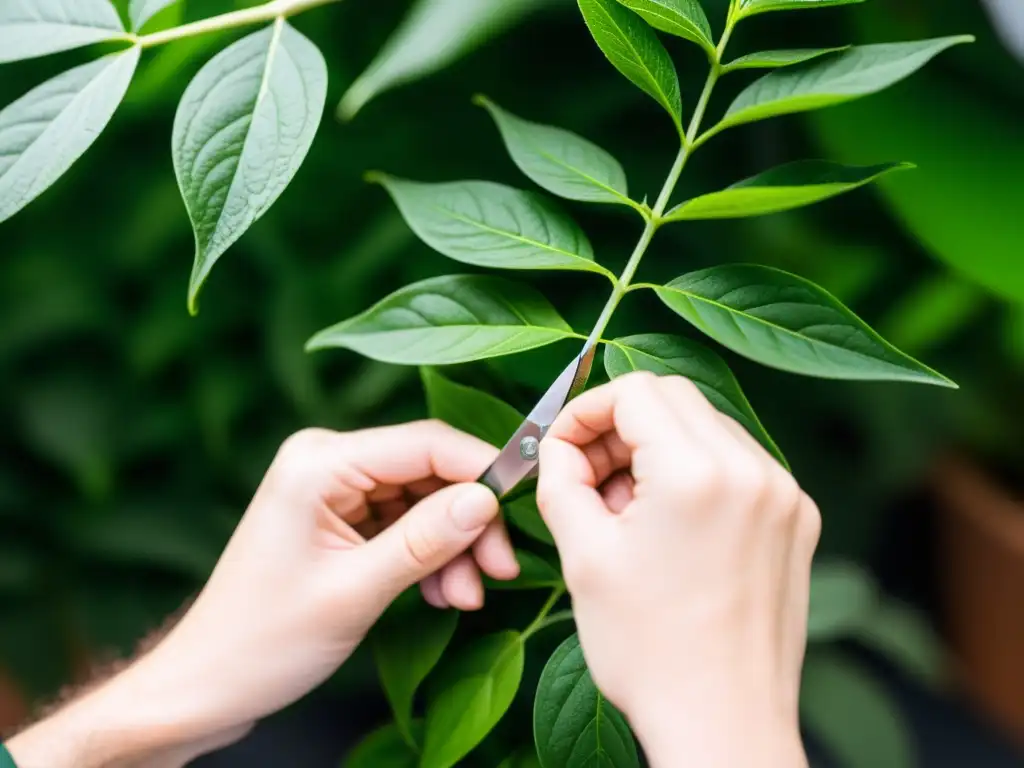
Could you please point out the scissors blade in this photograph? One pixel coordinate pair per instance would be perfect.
(512, 467)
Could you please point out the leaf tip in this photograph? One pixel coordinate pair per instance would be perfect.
(375, 177)
(482, 101)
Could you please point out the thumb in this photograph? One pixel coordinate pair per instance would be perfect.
(430, 535)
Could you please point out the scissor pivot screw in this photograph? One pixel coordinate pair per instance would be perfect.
(529, 448)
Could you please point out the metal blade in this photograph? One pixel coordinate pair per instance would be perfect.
(512, 467)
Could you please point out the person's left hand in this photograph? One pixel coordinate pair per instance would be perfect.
(341, 525)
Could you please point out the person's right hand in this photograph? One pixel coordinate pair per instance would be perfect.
(687, 552)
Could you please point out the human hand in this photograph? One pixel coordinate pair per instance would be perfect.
(340, 526)
(687, 551)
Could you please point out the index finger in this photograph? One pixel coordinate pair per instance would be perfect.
(406, 453)
(633, 406)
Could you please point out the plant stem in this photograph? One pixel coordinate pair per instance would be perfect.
(275, 9)
(654, 219)
(543, 620)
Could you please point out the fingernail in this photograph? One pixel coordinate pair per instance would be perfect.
(474, 508)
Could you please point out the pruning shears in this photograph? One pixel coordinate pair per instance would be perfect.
(519, 458)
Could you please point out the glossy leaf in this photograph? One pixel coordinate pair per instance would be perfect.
(860, 71)
(534, 573)
(450, 319)
(843, 596)
(491, 225)
(666, 355)
(751, 7)
(384, 748)
(404, 658)
(852, 715)
(31, 28)
(524, 515)
(44, 132)
(778, 59)
(472, 696)
(242, 130)
(141, 11)
(469, 410)
(574, 726)
(782, 189)
(683, 18)
(435, 34)
(633, 48)
(561, 162)
(783, 321)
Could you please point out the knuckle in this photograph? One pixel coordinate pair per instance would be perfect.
(810, 521)
(300, 446)
(419, 545)
(749, 481)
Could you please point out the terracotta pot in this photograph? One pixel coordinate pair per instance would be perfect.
(13, 706)
(981, 574)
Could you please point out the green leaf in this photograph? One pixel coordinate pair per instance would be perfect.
(843, 596)
(524, 515)
(852, 714)
(781, 189)
(472, 696)
(667, 355)
(470, 410)
(491, 225)
(962, 205)
(683, 18)
(903, 634)
(534, 573)
(633, 48)
(242, 130)
(385, 748)
(778, 59)
(450, 319)
(31, 28)
(860, 71)
(404, 657)
(141, 11)
(559, 161)
(785, 322)
(573, 724)
(435, 34)
(44, 132)
(750, 7)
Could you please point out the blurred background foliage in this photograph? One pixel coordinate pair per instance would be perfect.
(133, 435)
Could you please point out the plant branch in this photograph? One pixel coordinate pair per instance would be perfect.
(275, 9)
(543, 620)
(654, 220)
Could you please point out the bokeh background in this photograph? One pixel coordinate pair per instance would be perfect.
(132, 435)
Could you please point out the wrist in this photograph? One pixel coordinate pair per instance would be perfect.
(701, 725)
(123, 722)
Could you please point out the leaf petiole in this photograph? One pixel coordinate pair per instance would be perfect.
(543, 620)
(275, 9)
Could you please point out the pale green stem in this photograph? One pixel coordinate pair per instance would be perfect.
(543, 620)
(654, 220)
(275, 9)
